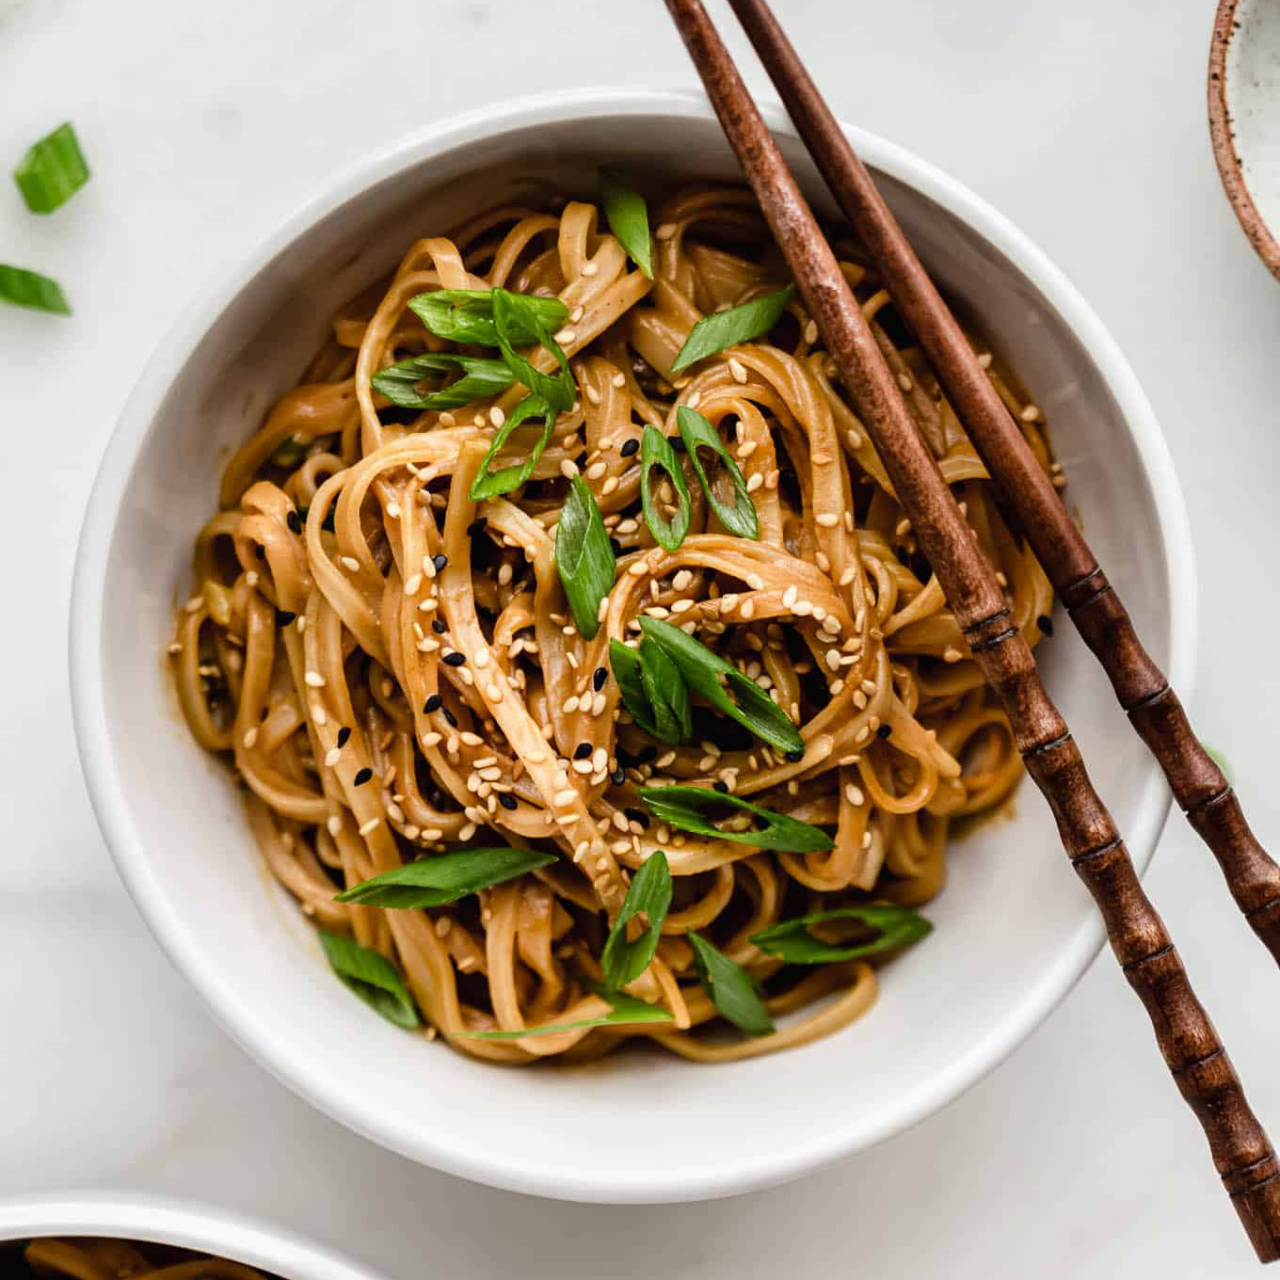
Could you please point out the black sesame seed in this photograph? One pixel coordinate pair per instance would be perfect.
(598, 680)
(294, 523)
(284, 617)
(433, 703)
(677, 443)
(629, 447)
(618, 777)
(476, 527)
(582, 751)
(721, 787)
(455, 659)
(362, 776)
(260, 551)
(884, 730)
(439, 626)
(638, 815)
(616, 547)
(795, 756)
(344, 735)
(1045, 624)
(506, 801)
(441, 562)
(450, 718)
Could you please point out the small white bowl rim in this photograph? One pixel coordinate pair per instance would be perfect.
(134, 1215)
(542, 1176)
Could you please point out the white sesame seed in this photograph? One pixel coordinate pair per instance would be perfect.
(811, 333)
(609, 486)
(468, 830)
(590, 268)
(250, 738)
(905, 382)
(393, 510)
(593, 396)
(951, 655)
(565, 337)
(789, 596)
(314, 679)
(737, 369)
(334, 825)
(854, 438)
(176, 647)
(984, 360)
(563, 798)
(568, 468)
(496, 416)
(332, 757)
(828, 519)
(350, 562)
(854, 795)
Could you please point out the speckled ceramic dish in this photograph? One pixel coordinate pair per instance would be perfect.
(1244, 117)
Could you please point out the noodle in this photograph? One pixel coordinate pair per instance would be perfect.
(115, 1259)
(361, 747)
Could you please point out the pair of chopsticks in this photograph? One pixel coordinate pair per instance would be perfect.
(1241, 1151)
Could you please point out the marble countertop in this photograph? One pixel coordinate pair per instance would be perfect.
(206, 124)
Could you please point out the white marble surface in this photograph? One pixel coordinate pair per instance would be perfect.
(207, 123)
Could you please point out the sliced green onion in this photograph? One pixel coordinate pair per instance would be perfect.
(30, 289)
(894, 927)
(702, 669)
(656, 450)
(730, 987)
(628, 218)
(653, 690)
(727, 328)
(682, 807)
(650, 893)
(514, 315)
(626, 1011)
(697, 433)
(480, 378)
(584, 557)
(667, 694)
(52, 171)
(370, 975)
(466, 315)
(444, 878)
(489, 484)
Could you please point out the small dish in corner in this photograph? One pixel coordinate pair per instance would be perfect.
(1244, 117)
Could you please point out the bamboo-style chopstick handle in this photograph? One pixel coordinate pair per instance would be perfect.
(1241, 1152)
(1198, 785)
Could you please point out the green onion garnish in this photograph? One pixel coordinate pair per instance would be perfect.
(480, 378)
(489, 484)
(584, 557)
(702, 669)
(628, 219)
(370, 975)
(435, 881)
(731, 988)
(893, 926)
(697, 433)
(727, 328)
(650, 893)
(656, 451)
(51, 172)
(30, 289)
(515, 315)
(683, 807)
(466, 315)
(653, 690)
(626, 1010)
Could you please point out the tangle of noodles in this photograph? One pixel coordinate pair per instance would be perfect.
(104, 1259)
(839, 617)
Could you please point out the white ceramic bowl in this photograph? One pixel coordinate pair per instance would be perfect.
(189, 1226)
(1014, 928)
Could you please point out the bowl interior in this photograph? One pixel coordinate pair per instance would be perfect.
(129, 1216)
(1013, 928)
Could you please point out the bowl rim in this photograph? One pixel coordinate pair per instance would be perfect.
(538, 1176)
(1222, 136)
(188, 1224)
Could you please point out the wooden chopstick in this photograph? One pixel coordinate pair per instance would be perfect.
(1198, 785)
(1200, 1066)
